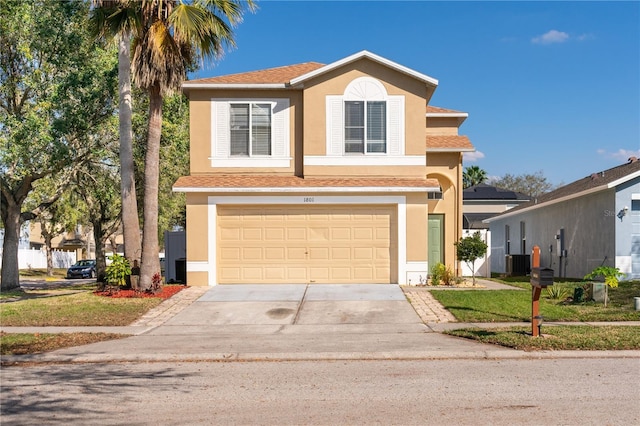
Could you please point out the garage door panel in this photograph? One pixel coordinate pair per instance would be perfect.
(297, 234)
(274, 253)
(365, 234)
(274, 234)
(363, 253)
(340, 253)
(318, 253)
(363, 274)
(252, 274)
(252, 234)
(318, 234)
(341, 234)
(341, 274)
(319, 274)
(275, 273)
(296, 253)
(251, 253)
(229, 273)
(301, 244)
(228, 234)
(230, 253)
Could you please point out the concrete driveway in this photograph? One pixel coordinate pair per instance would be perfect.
(298, 304)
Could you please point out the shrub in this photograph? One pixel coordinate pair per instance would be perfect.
(441, 274)
(118, 271)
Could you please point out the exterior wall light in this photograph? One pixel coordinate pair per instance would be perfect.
(622, 213)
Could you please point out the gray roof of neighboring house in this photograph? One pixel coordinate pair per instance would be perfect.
(594, 182)
(475, 220)
(488, 192)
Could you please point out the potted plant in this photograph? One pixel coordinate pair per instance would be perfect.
(611, 277)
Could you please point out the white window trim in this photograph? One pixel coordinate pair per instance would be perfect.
(272, 161)
(213, 201)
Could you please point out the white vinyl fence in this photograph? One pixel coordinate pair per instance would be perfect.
(34, 258)
(482, 265)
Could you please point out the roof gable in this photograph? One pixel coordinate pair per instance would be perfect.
(368, 55)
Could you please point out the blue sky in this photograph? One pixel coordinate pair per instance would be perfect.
(551, 86)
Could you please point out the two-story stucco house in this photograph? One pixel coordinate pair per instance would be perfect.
(313, 173)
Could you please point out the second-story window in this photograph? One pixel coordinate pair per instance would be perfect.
(365, 127)
(250, 129)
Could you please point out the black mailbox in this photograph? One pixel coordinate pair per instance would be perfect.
(541, 277)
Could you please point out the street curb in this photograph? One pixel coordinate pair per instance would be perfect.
(318, 356)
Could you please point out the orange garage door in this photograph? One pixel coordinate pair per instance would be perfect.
(306, 244)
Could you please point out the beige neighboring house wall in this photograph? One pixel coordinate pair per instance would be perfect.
(309, 212)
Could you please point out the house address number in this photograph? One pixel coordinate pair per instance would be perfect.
(308, 200)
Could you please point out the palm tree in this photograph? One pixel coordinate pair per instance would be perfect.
(130, 222)
(168, 36)
(473, 175)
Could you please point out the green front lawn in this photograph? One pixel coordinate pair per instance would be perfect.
(59, 308)
(515, 306)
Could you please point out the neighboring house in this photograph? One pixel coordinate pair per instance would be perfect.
(315, 173)
(591, 222)
(480, 202)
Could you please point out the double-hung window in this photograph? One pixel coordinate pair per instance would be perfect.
(365, 127)
(250, 125)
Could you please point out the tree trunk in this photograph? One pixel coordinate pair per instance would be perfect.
(10, 269)
(473, 273)
(101, 264)
(150, 264)
(47, 248)
(130, 222)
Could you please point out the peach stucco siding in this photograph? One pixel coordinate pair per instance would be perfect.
(308, 141)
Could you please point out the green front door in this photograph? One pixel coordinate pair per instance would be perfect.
(436, 239)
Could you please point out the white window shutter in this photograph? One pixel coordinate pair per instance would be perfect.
(280, 129)
(335, 125)
(395, 128)
(220, 128)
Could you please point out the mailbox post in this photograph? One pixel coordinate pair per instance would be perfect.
(540, 278)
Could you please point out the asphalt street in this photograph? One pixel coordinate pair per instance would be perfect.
(429, 392)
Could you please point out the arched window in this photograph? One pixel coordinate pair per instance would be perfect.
(365, 120)
(365, 117)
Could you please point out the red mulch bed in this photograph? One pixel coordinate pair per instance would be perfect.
(166, 292)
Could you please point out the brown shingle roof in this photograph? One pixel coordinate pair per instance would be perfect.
(279, 75)
(449, 142)
(261, 181)
(437, 110)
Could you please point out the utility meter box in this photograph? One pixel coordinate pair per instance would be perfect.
(541, 277)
